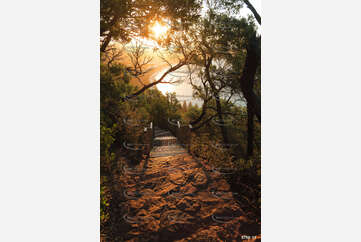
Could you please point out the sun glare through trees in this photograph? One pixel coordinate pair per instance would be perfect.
(180, 126)
(159, 30)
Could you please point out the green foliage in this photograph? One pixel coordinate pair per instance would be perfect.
(106, 141)
(125, 18)
(104, 203)
(208, 149)
(219, 37)
(123, 121)
(208, 137)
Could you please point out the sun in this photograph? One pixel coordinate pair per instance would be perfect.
(159, 30)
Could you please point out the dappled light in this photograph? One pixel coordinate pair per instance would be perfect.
(180, 122)
(159, 30)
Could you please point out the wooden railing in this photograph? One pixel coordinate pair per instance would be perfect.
(142, 148)
(183, 134)
(147, 139)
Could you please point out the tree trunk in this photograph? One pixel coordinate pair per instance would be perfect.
(247, 79)
(105, 42)
(253, 10)
(221, 120)
(250, 130)
(218, 101)
(200, 116)
(256, 102)
(247, 83)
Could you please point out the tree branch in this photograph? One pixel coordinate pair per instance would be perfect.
(176, 67)
(256, 15)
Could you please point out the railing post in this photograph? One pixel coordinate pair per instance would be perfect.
(145, 141)
(189, 138)
(152, 137)
(178, 132)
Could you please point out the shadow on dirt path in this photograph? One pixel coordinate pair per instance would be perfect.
(175, 197)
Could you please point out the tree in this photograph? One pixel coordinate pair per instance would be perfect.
(184, 106)
(235, 5)
(222, 39)
(125, 19)
(244, 64)
(189, 105)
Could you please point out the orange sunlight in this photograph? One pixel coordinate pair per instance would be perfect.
(159, 30)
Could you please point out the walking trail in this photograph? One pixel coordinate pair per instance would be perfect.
(175, 197)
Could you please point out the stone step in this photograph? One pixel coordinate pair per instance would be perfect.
(170, 150)
(165, 140)
(162, 133)
(165, 144)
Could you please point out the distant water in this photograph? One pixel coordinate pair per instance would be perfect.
(183, 89)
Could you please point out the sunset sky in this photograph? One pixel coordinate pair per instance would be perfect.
(183, 90)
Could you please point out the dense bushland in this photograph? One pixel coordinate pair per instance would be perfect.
(122, 125)
(242, 172)
(222, 53)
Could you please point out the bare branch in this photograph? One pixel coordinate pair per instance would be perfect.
(253, 10)
(145, 87)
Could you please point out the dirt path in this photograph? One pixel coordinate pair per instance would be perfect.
(175, 197)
